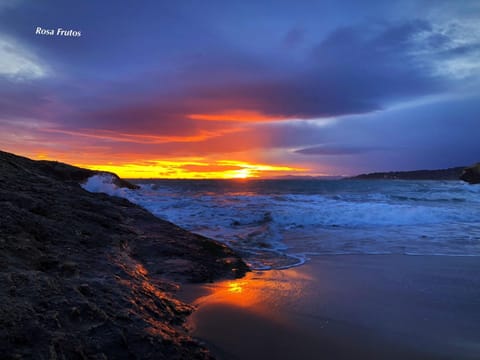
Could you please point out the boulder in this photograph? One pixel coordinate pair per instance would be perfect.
(471, 174)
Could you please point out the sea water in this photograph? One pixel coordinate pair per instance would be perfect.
(282, 223)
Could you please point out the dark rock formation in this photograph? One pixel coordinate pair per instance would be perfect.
(89, 276)
(442, 174)
(66, 172)
(60, 171)
(471, 174)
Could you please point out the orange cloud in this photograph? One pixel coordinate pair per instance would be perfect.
(235, 115)
(199, 151)
(143, 138)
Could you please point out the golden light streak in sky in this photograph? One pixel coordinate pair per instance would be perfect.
(194, 169)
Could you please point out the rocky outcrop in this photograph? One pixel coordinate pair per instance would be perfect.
(471, 174)
(59, 171)
(89, 276)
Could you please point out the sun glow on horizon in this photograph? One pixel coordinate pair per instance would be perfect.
(194, 169)
(242, 174)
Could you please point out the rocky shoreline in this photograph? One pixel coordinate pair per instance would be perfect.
(89, 276)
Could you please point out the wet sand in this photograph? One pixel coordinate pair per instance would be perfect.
(345, 307)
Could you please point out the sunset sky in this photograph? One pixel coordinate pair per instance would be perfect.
(218, 89)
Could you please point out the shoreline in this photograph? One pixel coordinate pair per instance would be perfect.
(91, 275)
(344, 307)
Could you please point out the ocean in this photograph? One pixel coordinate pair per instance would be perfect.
(276, 224)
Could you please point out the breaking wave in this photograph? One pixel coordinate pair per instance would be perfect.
(277, 224)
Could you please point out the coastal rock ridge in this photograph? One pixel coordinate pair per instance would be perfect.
(90, 276)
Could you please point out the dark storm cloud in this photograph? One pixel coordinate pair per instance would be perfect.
(353, 70)
(375, 65)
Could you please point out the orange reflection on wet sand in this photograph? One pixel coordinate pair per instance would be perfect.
(236, 286)
(259, 291)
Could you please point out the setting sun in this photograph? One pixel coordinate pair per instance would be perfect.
(242, 174)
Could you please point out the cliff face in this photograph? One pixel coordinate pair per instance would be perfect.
(471, 174)
(91, 276)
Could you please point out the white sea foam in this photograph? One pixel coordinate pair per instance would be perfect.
(103, 183)
(277, 224)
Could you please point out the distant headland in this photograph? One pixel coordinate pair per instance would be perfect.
(469, 174)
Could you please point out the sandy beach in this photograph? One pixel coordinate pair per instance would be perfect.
(345, 307)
